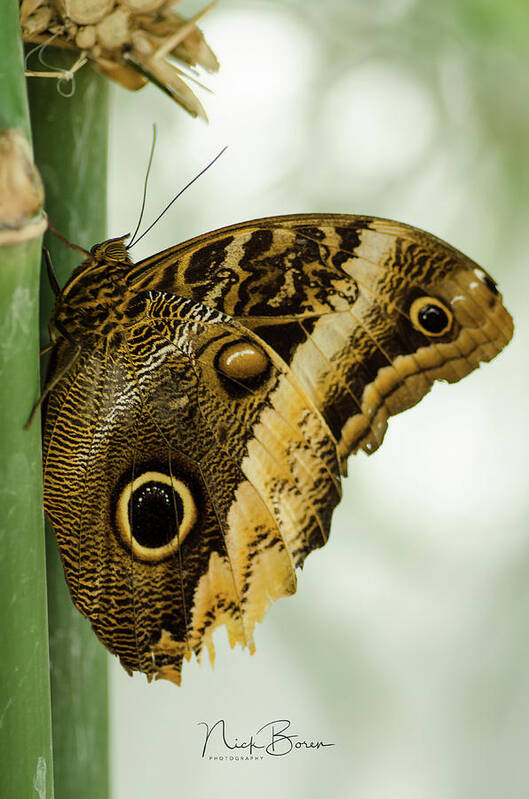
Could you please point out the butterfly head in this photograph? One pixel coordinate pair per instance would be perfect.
(92, 298)
(112, 251)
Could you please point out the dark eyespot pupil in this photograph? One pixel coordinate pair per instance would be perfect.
(433, 318)
(152, 514)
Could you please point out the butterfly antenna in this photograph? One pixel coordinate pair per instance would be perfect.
(145, 184)
(65, 240)
(179, 194)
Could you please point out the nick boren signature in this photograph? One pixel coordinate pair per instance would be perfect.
(271, 738)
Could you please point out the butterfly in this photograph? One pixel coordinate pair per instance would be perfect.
(201, 406)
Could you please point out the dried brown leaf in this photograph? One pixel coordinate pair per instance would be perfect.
(129, 41)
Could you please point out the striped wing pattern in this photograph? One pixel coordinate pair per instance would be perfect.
(184, 489)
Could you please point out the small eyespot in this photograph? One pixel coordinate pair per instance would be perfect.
(430, 316)
(242, 360)
(486, 279)
(154, 513)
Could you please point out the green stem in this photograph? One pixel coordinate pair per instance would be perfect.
(25, 728)
(70, 135)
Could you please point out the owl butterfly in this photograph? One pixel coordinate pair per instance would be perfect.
(202, 405)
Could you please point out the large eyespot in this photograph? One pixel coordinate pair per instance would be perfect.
(242, 360)
(430, 316)
(154, 513)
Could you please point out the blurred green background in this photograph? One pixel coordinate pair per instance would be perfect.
(407, 644)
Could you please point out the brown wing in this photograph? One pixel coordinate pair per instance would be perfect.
(366, 312)
(184, 488)
(193, 450)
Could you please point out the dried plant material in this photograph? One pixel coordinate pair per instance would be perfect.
(130, 41)
(64, 74)
(84, 12)
(21, 190)
(143, 6)
(27, 7)
(86, 37)
(113, 31)
(166, 76)
(195, 49)
(126, 76)
(39, 20)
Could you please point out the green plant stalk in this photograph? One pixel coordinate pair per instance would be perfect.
(25, 724)
(70, 135)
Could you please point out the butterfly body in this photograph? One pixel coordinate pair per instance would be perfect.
(206, 399)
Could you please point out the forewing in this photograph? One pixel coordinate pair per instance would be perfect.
(336, 297)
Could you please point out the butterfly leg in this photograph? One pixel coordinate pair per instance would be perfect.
(52, 277)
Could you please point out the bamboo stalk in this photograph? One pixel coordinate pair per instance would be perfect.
(70, 135)
(25, 727)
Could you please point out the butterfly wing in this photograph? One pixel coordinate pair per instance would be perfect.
(183, 494)
(366, 312)
(193, 456)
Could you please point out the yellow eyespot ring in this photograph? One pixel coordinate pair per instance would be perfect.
(430, 316)
(187, 506)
